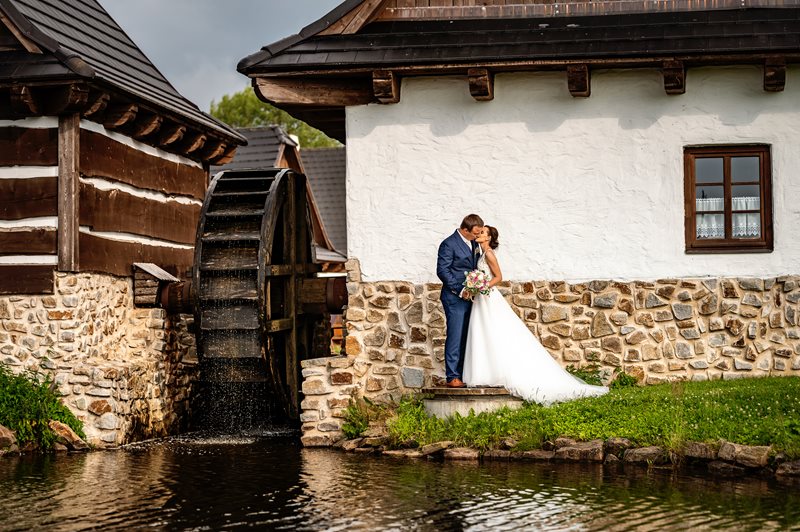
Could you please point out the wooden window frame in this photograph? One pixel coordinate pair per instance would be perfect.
(728, 245)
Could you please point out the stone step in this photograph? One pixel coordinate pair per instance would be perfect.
(443, 402)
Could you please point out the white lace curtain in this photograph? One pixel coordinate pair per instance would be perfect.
(745, 225)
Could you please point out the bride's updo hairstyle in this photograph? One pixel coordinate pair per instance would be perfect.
(493, 237)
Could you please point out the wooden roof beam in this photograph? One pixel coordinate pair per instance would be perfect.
(481, 84)
(24, 101)
(146, 125)
(356, 19)
(674, 73)
(386, 86)
(120, 114)
(96, 104)
(579, 80)
(774, 74)
(170, 134)
(325, 92)
(67, 99)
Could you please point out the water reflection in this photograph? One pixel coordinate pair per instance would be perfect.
(268, 481)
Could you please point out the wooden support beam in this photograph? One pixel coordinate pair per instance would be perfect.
(68, 99)
(96, 104)
(316, 91)
(213, 151)
(146, 125)
(226, 157)
(579, 80)
(192, 143)
(386, 86)
(481, 84)
(68, 191)
(774, 74)
(119, 115)
(674, 73)
(170, 134)
(24, 102)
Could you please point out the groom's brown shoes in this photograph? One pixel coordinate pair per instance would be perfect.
(456, 383)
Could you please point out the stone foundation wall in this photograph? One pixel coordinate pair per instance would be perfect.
(667, 330)
(126, 372)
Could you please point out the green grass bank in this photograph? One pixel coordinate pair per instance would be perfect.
(758, 411)
(28, 403)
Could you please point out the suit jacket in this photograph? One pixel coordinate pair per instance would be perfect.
(453, 261)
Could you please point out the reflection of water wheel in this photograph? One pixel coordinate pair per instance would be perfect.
(257, 302)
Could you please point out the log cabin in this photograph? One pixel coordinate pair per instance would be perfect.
(103, 165)
(637, 158)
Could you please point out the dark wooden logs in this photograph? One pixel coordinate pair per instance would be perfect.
(579, 80)
(68, 191)
(21, 146)
(28, 198)
(775, 74)
(386, 86)
(115, 256)
(674, 73)
(481, 84)
(30, 242)
(170, 134)
(27, 279)
(71, 98)
(306, 90)
(96, 104)
(24, 102)
(146, 125)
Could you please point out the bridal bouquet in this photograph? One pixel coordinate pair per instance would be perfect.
(476, 282)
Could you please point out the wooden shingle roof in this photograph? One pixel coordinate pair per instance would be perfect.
(79, 40)
(326, 169)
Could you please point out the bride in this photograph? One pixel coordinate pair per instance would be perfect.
(501, 351)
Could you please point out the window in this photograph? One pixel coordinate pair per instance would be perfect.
(728, 199)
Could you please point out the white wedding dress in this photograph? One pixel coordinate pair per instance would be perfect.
(501, 351)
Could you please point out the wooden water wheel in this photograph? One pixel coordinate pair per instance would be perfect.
(257, 301)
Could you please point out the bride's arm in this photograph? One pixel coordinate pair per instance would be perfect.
(494, 266)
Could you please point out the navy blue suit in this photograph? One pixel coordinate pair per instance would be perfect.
(454, 260)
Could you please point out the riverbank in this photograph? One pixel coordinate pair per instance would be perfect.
(730, 426)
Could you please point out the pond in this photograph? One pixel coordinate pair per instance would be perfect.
(266, 480)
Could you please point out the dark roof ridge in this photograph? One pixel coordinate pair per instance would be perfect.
(312, 29)
(72, 61)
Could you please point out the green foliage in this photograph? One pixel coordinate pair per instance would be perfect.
(590, 374)
(622, 380)
(760, 411)
(358, 415)
(27, 404)
(244, 109)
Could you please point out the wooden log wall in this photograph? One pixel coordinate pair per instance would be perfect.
(133, 203)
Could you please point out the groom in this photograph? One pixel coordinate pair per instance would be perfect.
(458, 254)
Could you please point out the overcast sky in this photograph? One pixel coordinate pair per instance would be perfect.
(196, 44)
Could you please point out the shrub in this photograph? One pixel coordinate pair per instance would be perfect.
(28, 402)
(358, 415)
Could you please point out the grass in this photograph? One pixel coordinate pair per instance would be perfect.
(757, 411)
(27, 404)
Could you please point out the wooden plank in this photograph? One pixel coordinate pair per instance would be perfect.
(96, 104)
(282, 324)
(356, 18)
(239, 287)
(171, 134)
(386, 86)
(116, 210)
(24, 101)
(28, 198)
(579, 81)
(229, 258)
(230, 318)
(68, 192)
(221, 344)
(31, 242)
(146, 125)
(674, 73)
(775, 74)
(316, 91)
(71, 98)
(291, 234)
(117, 115)
(481, 84)
(117, 257)
(107, 158)
(26, 279)
(21, 146)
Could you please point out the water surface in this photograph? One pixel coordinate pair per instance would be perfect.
(267, 481)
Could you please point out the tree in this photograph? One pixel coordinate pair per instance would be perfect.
(244, 109)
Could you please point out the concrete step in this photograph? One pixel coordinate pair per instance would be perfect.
(443, 402)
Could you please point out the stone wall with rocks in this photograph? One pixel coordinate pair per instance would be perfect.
(126, 372)
(661, 331)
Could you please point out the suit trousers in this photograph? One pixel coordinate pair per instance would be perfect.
(456, 312)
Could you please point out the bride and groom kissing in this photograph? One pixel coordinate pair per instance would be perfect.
(487, 344)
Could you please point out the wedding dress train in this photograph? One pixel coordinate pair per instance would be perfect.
(501, 351)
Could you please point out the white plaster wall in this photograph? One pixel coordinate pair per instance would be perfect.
(579, 188)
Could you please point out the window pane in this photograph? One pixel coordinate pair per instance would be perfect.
(708, 170)
(709, 199)
(747, 225)
(744, 169)
(710, 226)
(745, 198)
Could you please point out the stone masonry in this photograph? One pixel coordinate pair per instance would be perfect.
(660, 331)
(126, 372)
